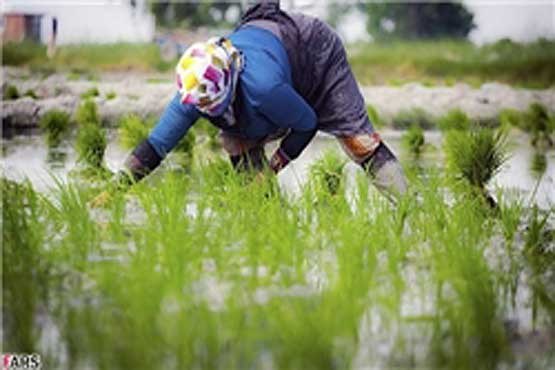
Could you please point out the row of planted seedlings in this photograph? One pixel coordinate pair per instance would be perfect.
(206, 268)
(536, 121)
(92, 136)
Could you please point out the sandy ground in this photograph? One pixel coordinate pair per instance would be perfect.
(148, 94)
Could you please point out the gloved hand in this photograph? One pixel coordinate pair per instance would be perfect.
(279, 160)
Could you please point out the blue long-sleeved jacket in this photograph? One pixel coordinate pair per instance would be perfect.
(267, 99)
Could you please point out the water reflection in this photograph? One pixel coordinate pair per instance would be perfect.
(56, 157)
(28, 156)
(538, 166)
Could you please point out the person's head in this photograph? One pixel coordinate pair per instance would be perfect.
(207, 75)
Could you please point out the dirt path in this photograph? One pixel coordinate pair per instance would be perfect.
(148, 95)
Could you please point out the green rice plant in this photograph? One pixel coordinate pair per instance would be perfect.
(374, 116)
(414, 116)
(90, 93)
(491, 122)
(185, 149)
(538, 165)
(10, 92)
(87, 113)
(211, 131)
(511, 118)
(24, 269)
(539, 124)
(441, 61)
(133, 130)
(326, 174)
(211, 271)
(31, 94)
(468, 329)
(541, 261)
(455, 119)
(475, 156)
(413, 140)
(91, 144)
(111, 95)
(510, 215)
(21, 53)
(56, 124)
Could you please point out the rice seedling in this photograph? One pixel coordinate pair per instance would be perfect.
(31, 94)
(90, 93)
(539, 124)
(24, 269)
(455, 119)
(374, 116)
(413, 140)
(511, 118)
(132, 130)
(111, 95)
(538, 166)
(475, 157)
(56, 124)
(326, 174)
(540, 258)
(415, 116)
(510, 216)
(87, 113)
(204, 127)
(10, 93)
(90, 145)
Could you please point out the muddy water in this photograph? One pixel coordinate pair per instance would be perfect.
(27, 156)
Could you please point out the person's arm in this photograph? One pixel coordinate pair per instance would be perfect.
(287, 109)
(170, 129)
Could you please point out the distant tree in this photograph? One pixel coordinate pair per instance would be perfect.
(193, 13)
(418, 20)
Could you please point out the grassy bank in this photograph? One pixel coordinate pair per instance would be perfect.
(86, 58)
(447, 62)
(438, 62)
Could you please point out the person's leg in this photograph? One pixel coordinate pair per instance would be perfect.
(245, 155)
(374, 156)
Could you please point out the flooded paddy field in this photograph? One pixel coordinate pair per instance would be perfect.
(198, 267)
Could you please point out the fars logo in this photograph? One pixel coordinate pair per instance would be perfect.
(21, 361)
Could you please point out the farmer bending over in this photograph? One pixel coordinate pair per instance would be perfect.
(277, 76)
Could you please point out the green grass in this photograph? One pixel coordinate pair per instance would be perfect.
(87, 57)
(529, 65)
(396, 62)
